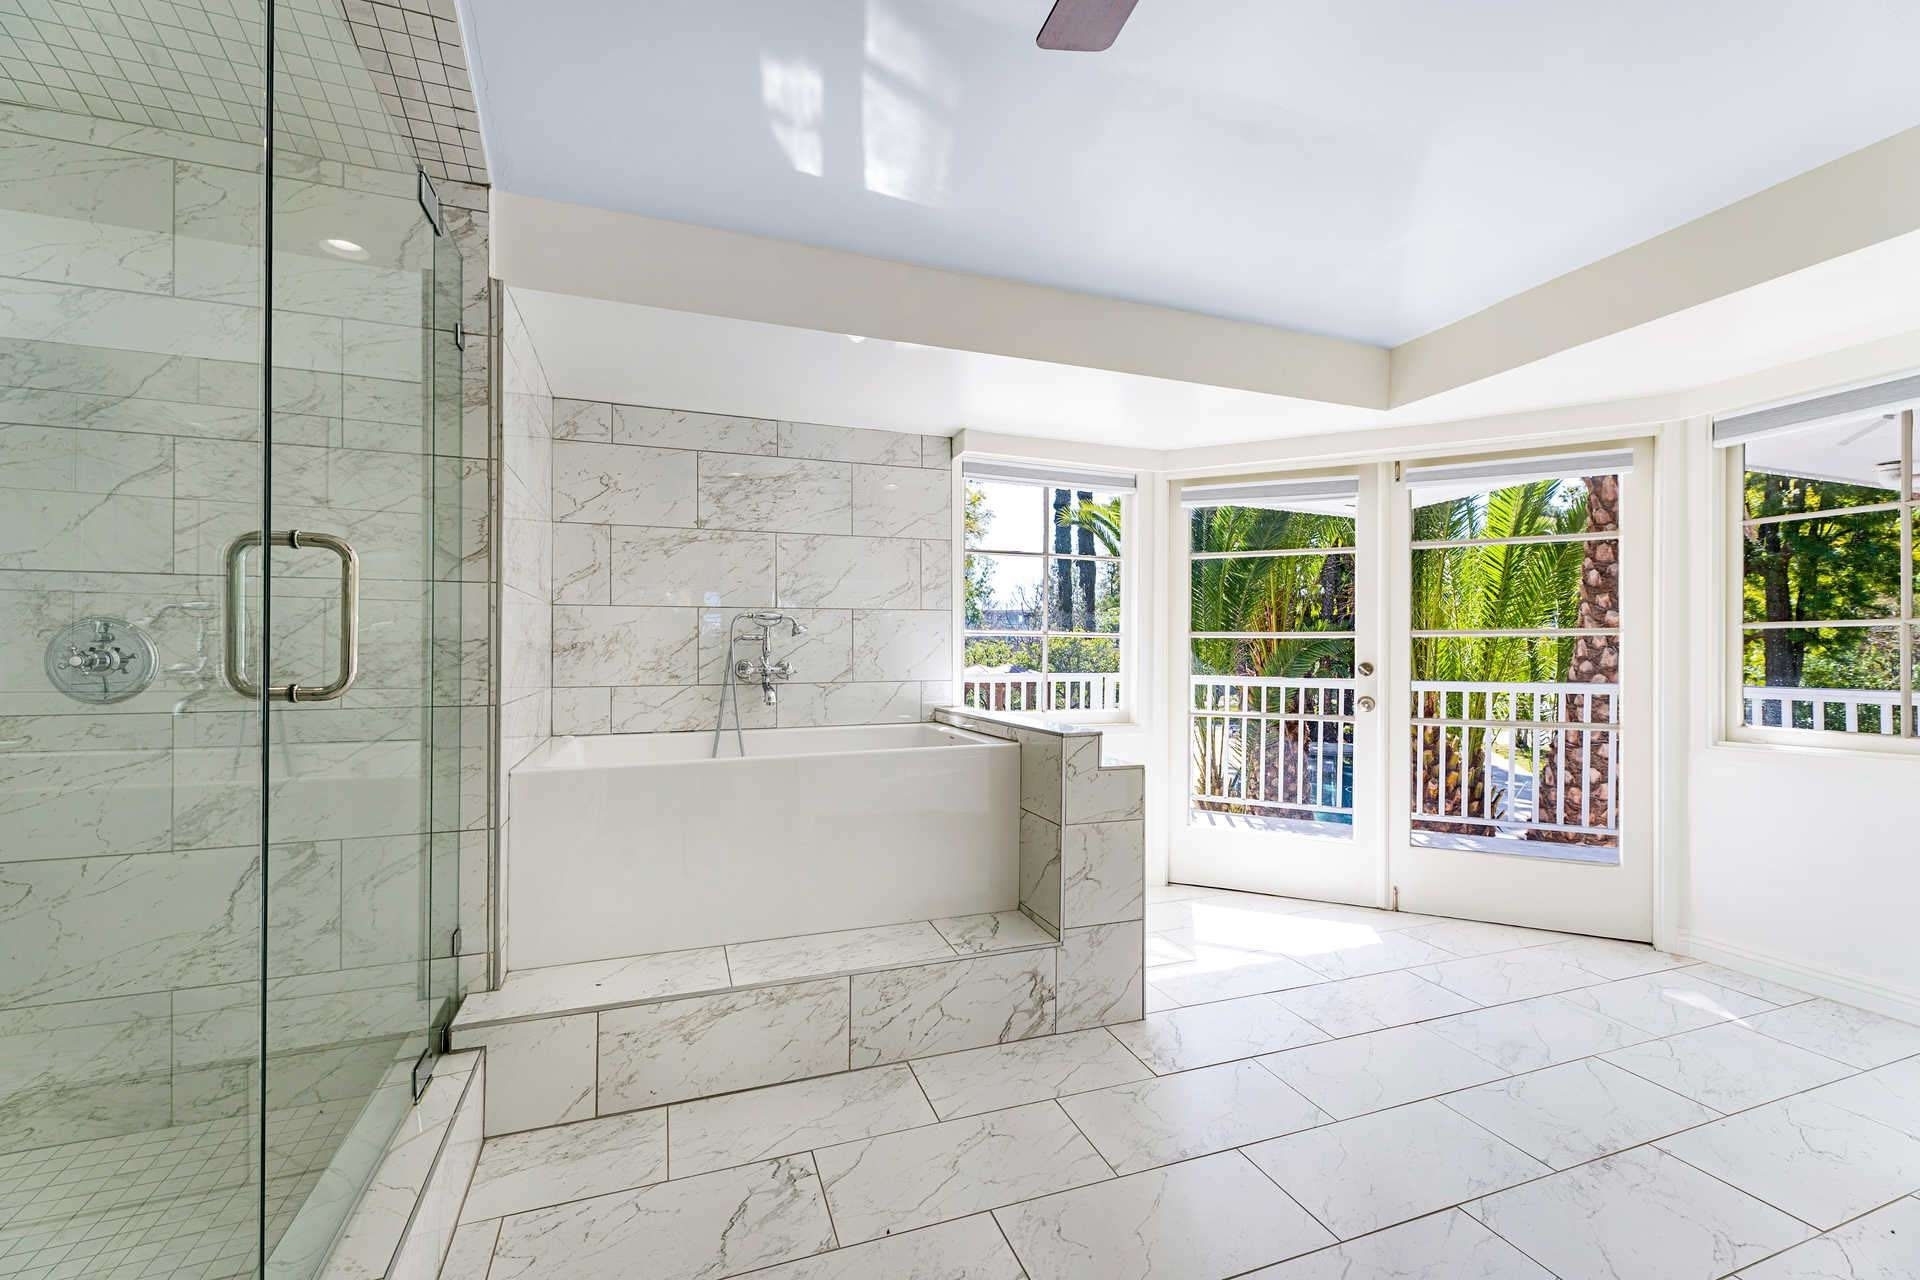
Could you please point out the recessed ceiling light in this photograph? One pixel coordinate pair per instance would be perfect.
(856, 337)
(342, 248)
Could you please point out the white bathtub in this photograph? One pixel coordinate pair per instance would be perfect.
(628, 843)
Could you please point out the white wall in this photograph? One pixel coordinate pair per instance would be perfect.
(1801, 863)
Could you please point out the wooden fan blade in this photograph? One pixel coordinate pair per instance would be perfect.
(1085, 26)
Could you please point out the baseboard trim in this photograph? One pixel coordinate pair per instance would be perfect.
(1847, 988)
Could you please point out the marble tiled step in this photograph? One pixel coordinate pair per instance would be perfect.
(596, 985)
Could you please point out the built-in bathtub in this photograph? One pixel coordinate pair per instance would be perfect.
(627, 844)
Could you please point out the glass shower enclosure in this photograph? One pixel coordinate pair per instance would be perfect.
(234, 568)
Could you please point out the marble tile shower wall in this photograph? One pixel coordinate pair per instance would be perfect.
(129, 455)
(668, 523)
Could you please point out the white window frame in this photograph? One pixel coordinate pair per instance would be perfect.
(1734, 522)
(1126, 677)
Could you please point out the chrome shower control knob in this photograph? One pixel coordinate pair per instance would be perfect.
(101, 660)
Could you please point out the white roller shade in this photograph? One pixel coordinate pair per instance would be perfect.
(1430, 482)
(1058, 477)
(1274, 495)
(1744, 428)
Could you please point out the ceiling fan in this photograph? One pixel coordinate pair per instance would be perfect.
(1084, 26)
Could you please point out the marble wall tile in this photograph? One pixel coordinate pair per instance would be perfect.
(436, 1214)
(582, 564)
(848, 444)
(62, 804)
(1102, 975)
(776, 495)
(712, 1224)
(582, 419)
(87, 927)
(41, 529)
(539, 1073)
(692, 567)
(76, 461)
(1097, 794)
(822, 655)
(936, 451)
(677, 709)
(936, 573)
(881, 702)
(902, 644)
(624, 484)
(1103, 872)
(683, 429)
(1040, 867)
(585, 710)
(618, 644)
(109, 374)
(959, 1004)
(569, 1162)
(92, 1069)
(902, 502)
(833, 571)
(681, 1049)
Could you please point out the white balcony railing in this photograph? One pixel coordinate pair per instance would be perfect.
(1533, 761)
(1834, 710)
(1038, 691)
(1273, 748)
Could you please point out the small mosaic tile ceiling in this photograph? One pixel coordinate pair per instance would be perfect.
(375, 83)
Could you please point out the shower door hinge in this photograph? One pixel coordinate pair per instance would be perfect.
(423, 1070)
(453, 943)
(459, 336)
(1396, 471)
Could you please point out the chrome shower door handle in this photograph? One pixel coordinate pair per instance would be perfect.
(236, 631)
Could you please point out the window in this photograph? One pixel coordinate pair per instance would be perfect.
(1041, 604)
(1824, 584)
(1271, 598)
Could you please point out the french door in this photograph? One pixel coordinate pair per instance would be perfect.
(1424, 685)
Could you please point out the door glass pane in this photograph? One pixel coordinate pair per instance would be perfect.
(131, 436)
(1515, 734)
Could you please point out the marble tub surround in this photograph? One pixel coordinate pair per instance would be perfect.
(1082, 859)
(667, 523)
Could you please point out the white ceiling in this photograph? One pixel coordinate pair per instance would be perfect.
(595, 349)
(1370, 169)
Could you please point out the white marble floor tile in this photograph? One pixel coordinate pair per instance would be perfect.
(1728, 1067)
(1640, 1215)
(1373, 917)
(819, 954)
(1613, 959)
(1194, 1113)
(470, 1254)
(1666, 1004)
(1250, 925)
(994, 931)
(739, 1128)
(1361, 1175)
(1223, 973)
(1841, 1031)
(1166, 948)
(1376, 952)
(1202, 1220)
(968, 1249)
(1445, 1246)
(1373, 1003)
(599, 984)
(1816, 1160)
(718, 1224)
(1882, 1245)
(1466, 938)
(1577, 1111)
(1203, 1034)
(882, 1186)
(532, 1170)
(1529, 1034)
(1747, 984)
(1007, 1075)
(1509, 975)
(1889, 1094)
(1175, 892)
(1380, 1069)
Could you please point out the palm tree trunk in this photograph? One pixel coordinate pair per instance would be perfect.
(1576, 783)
